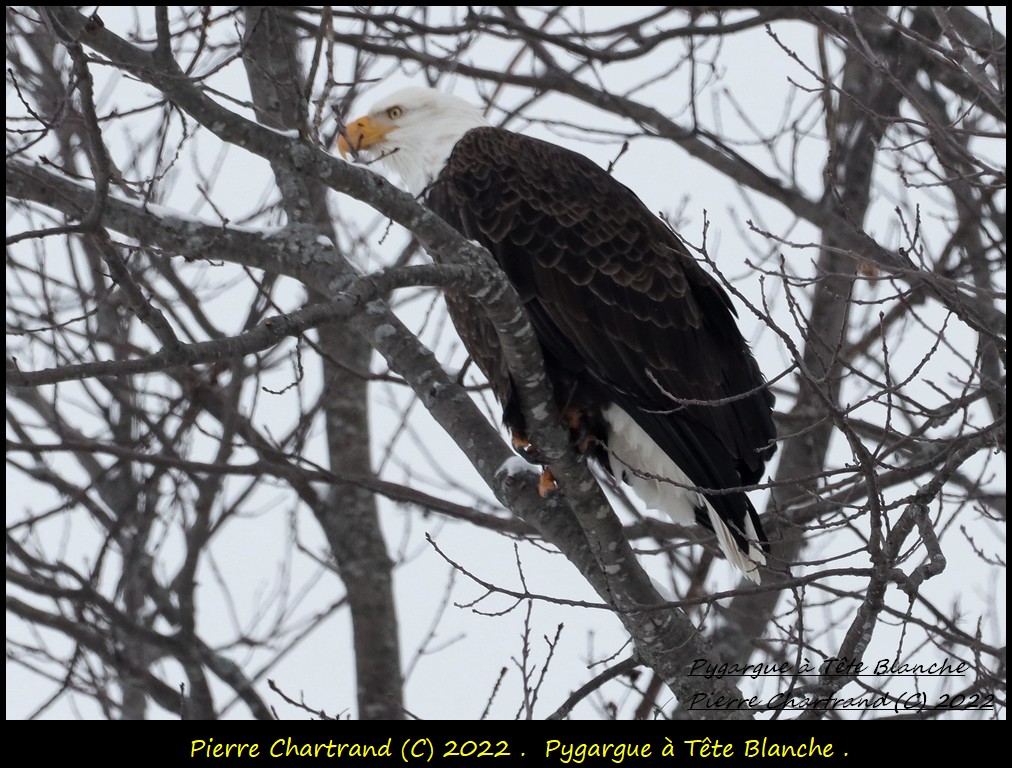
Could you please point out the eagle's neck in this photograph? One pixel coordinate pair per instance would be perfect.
(419, 157)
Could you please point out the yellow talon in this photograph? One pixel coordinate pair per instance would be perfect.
(547, 487)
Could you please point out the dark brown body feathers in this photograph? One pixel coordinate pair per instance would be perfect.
(623, 312)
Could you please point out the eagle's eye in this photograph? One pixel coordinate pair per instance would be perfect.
(395, 112)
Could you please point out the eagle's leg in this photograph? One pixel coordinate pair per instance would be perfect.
(525, 448)
(579, 433)
(547, 487)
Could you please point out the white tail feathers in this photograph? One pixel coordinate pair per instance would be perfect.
(637, 460)
(747, 564)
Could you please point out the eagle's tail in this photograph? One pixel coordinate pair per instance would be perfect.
(637, 460)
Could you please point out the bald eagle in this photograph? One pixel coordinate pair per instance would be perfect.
(648, 367)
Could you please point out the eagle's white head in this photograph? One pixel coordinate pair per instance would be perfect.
(412, 132)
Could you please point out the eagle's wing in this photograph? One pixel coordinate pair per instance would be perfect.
(614, 295)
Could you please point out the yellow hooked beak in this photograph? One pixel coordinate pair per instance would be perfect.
(362, 134)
